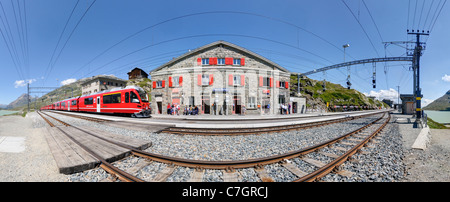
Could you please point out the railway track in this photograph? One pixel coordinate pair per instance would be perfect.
(355, 139)
(258, 130)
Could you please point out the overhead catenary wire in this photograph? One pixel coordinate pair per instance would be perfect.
(209, 35)
(370, 40)
(68, 38)
(59, 40)
(8, 37)
(206, 13)
(371, 17)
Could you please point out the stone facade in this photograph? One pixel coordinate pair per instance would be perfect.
(220, 79)
(100, 83)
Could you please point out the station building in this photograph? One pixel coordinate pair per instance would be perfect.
(222, 78)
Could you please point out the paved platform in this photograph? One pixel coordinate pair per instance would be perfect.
(71, 158)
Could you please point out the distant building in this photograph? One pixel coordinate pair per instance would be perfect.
(408, 104)
(388, 102)
(137, 73)
(100, 83)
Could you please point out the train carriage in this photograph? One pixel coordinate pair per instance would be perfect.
(131, 100)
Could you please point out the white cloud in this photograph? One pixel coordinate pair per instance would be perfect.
(446, 78)
(390, 94)
(22, 83)
(68, 81)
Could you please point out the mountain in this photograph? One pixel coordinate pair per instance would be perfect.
(440, 104)
(20, 101)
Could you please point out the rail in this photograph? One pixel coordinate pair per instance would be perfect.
(249, 163)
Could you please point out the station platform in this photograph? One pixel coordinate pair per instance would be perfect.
(71, 157)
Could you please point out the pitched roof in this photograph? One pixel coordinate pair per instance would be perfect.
(137, 69)
(215, 44)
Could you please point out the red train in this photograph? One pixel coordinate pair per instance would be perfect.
(131, 100)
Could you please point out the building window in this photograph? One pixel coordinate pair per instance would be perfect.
(205, 61)
(266, 81)
(251, 102)
(236, 61)
(282, 84)
(237, 80)
(205, 79)
(221, 61)
(159, 84)
(176, 81)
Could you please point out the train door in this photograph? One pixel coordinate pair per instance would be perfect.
(68, 105)
(98, 104)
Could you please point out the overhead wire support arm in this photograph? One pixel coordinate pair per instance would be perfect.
(356, 62)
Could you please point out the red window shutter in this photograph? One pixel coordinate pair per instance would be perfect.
(154, 84)
(163, 83)
(230, 79)
(228, 61)
(286, 85)
(261, 81)
(211, 79)
(242, 61)
(271, 82)
(278, 84)
(180, 80)
(199, 61)
(199, 79)
(213, 61)
(170, 81)
(242, 80)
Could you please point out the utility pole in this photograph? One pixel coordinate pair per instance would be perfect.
(416, 68)
(398, 97)
(28, 96)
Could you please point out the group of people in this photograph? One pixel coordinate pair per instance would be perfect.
(285, 108)
(174, 109)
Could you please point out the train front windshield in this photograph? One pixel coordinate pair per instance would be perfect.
(143, 95)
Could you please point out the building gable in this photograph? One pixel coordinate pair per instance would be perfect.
(220, 53)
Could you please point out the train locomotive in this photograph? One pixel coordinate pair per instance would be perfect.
(131, 100)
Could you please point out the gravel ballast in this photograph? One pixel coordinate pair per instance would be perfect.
(384, 161)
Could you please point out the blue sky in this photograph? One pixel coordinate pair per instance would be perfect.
(286, 32)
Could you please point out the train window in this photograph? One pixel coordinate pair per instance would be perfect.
(127, 97)
(111, 98)
(88, 101)
(74, 102)
(63, 104)
(134, 97)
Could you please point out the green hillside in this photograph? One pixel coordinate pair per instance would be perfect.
(334, 94)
